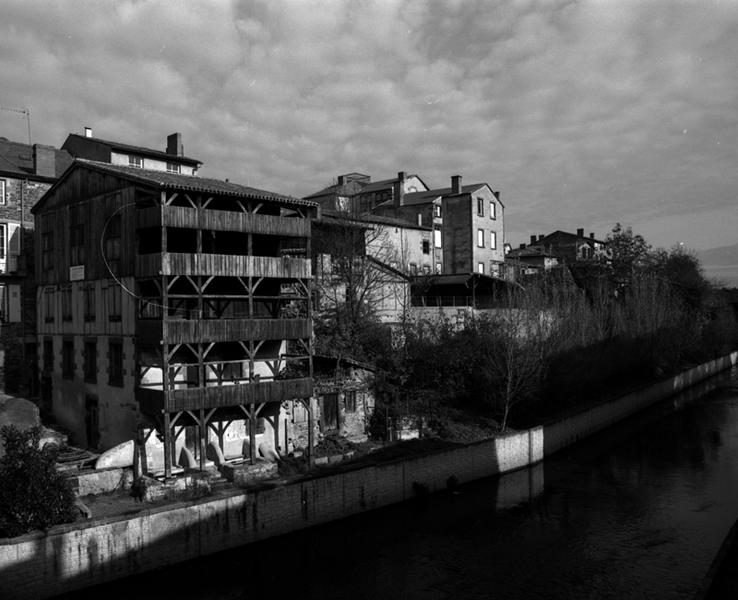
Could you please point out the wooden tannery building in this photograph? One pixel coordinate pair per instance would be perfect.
(172, 304)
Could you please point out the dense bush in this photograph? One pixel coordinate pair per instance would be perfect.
(33, 494)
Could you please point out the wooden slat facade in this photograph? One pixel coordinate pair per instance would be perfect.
(181, 331)
(154, 401)
(222, 220)
(226, 265)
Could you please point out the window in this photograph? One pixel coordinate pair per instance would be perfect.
(115, 363)
(114, 297)
(2, 191)
(437, 211)
(66, 294)
(437, 238)
(493, 240)
(47, 250)
(480, 207)
(48, 354)
(480, 238)
(112, 243)
(492, 209)
(413, 269)
(172, 167)
(76, 236)
(480, 268)
(89, 303)
(90, 361)
(438, 267)
(3, 240)
(350, 401)
(92, 420)
(68, 359)
(49, 305)
(135, 161)
(426, 246)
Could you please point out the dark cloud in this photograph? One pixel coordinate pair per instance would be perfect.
(582, 113)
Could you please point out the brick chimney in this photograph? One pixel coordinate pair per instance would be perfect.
(580, 233)
(455, 184)
(174, 144)
(540, 237)
(398, 188)
(522, 246)
(88, 132)
(341, 180)
(497, 194)
(591, 235)
(44, 160)
(533, 239)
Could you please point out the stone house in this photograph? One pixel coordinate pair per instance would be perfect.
(343, 401)
(172, 305)
(26, 173)
(569, 247)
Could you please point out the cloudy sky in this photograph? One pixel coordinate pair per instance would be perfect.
(581, 113)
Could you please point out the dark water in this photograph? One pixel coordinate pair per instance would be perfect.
(639, 511)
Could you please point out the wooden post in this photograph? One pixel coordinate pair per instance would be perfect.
(311, 434)
(252, 433)
(167, 447)
(203, 432)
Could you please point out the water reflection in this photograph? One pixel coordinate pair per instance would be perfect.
(637, 511)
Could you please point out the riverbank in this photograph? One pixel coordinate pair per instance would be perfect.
(74, 556)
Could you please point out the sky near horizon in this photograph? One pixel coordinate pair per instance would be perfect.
(582, 114)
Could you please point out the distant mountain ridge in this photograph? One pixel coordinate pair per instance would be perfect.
(720, 265)
(722, 256)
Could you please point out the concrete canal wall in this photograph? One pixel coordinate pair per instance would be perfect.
(69, 557)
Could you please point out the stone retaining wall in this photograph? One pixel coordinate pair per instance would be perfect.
(69, 557)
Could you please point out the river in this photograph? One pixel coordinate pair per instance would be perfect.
(637, 511)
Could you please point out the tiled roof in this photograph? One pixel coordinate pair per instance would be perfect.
(572, 236)
(141, 150)
(373, 219)
(412, 198)
(528, 252)
(16, 157)
(163, 179)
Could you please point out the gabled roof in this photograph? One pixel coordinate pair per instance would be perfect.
(347, 189)
(413, 198)
(174, 181)
(385, 267)
(134, 149)
(16, 159)
(370, 219)
(572, 236)
(528, 252)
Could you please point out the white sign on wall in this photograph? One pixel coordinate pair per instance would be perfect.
(77, 273)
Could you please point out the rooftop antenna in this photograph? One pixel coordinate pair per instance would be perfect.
(24, 111)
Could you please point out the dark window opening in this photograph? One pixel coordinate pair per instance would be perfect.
(92, 421)
(115, 364)
(48, 355)
(426, 246)
(68, 359)
(90, 361)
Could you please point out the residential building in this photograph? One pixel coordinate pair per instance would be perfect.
(466, 222)
(370, 255)
(26, 173)
(570, 247)
(529, 260)
(171, 160)
(172, 304)
(357, 193)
